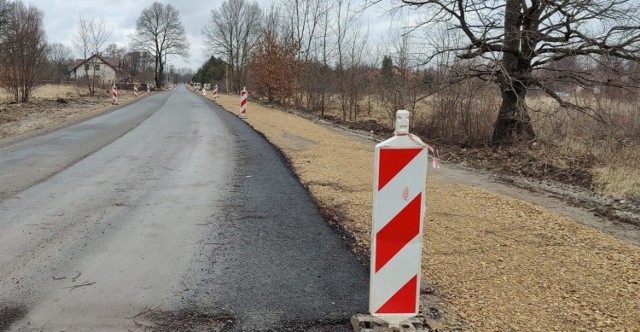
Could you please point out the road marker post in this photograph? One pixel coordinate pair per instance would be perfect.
(148, 88)
(243, 103)
(400, 174)
(135, 90)
(215, 92)
(204, 92)
(114, 95)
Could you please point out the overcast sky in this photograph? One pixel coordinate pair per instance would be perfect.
(61, 17)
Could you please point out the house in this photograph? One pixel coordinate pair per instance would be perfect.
(106, 70)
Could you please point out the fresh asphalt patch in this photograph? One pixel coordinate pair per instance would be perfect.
(275, 263)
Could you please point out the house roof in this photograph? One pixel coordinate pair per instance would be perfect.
(76, 64)
(114, 63)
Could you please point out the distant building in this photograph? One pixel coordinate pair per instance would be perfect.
(106, 70)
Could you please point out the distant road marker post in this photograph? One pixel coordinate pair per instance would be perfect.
(243, 103)
(215, 92)
(114, 95)
(135, 90)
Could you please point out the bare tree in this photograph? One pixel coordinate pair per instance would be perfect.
(350, 42)
(82, 38)
(59, 56)
(91, 36)
(516, 40)
(302, 27)
(115, 51)
(232, 33)
(324, 71)
(139, 65)
(394, 82)
(24, 51)
(273, 24)
(4, 17)
(89, 40)
(159, 31)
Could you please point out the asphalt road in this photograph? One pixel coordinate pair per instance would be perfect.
(166, 214)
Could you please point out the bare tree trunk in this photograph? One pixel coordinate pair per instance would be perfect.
(156, 77)
(86, 75)
(513, 121)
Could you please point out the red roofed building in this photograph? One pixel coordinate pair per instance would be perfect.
(106, 70)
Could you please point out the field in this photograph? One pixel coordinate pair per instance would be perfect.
(50, 91)
(52, 105)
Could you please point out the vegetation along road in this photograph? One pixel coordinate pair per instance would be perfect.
(164, 212)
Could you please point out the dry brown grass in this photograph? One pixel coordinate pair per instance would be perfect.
(45, 110)
(55, 91)
(614, 150)
(52, 91)
(606, 154)
(49, 91)
(618, 181)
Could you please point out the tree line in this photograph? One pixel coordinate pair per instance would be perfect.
(308, 52)
(302, 52)
(23, 48)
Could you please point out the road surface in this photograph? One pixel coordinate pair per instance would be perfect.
(166, 214)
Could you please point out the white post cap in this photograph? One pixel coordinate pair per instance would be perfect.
(402, 122)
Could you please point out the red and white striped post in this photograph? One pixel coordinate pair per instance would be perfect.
(243, 103)
(215, 92)
(135, 90)
(398, 213)
(114, 95)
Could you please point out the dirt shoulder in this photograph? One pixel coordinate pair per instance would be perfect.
(497, 262)
(20, 119)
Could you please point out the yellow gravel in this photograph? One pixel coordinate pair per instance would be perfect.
(498, 263)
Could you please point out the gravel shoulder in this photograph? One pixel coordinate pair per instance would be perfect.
(20, 120)
(496, 260)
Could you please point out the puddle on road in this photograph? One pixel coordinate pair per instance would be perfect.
(162, 321)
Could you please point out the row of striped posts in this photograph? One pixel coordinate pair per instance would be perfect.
(114, 93)
(243, 100)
